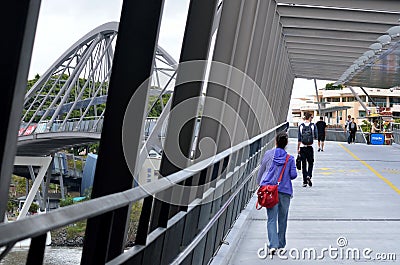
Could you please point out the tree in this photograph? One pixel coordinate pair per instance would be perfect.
(33, 208)
(156, 110)
(330, 86)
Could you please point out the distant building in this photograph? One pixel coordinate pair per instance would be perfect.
(335, 105)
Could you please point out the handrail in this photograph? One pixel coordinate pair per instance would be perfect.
(39, 224)
(182, 256)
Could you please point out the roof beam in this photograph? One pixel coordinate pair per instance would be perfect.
(346, 43)
(321, 58)
(331, 34)
(332, 57)
(290, 22)
(317, 76)
(297, 69)
(317, 72)
(322, 47)
(322, 63)
(338, 14)
(372, 5)
(325, 53)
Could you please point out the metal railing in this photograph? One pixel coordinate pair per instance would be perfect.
(192, 236)
(333, 134)
(396, 133)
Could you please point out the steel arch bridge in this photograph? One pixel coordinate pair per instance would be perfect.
(65, 107)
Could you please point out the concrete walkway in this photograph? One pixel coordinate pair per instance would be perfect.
(353, 207)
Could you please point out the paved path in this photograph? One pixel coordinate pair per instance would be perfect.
(355, 197)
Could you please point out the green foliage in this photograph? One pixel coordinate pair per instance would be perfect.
(12, 205)
(366, 126)
(330, 86)
(156, 110)
(76, 229)
(33, 208)
(88, 193)
(20, 185)
(55, 84)
(134, 221)
(67, 201)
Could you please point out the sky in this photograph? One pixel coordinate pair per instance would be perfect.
(62, 22)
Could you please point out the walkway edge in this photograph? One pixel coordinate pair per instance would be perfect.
(225, 252)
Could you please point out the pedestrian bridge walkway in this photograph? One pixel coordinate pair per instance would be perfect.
(354, 203)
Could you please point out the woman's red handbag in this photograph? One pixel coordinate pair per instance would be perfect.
(268, 195)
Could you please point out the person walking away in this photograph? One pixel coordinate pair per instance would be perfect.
(306, 134)
(353, 130)
(270, 170)
(347, 128)
(321, 127)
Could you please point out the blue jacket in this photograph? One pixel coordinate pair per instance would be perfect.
(273, 162)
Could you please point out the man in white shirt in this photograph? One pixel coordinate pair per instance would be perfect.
(306, 134)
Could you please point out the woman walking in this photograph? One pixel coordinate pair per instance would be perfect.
(271, 167)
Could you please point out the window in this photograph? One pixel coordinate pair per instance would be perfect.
(380, 101)
(361, 113)
(349, 99)
(332, 99)
(394, 101)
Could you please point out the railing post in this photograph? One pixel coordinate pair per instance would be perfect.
(20, 18)
(132, 67)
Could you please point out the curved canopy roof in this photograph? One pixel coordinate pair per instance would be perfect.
(325, 38)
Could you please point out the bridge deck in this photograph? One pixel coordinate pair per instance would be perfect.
(355, 195)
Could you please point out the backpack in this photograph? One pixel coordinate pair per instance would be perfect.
(307, 135)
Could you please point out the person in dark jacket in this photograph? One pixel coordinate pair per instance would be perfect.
(353, 130)
(270, 169)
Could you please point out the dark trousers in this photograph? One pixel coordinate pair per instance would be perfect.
(352, 137)
(307, 157)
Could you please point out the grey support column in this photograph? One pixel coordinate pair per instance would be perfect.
(267, 114)
(265, 46)
(257, 52)
(183, 114)
(246, 37)
(236, 94)
(120, 143)
(316, 94)
(19, 20)
(272, 89)
(217, 90)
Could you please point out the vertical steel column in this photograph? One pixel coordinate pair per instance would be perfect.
(286, 89)
(133, 60)
(316, 94)
(278, 95)
(273, 90)
(267, 69)
(19, 19)
(240, 61)
(184, 107)
(224, 51)
(279, 82)
(260, 105)
(254, 64)
(36, 250)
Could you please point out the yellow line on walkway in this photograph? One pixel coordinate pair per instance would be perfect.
(372, 169)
